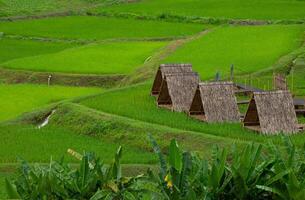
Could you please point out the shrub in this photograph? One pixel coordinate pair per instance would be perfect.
(242, 174)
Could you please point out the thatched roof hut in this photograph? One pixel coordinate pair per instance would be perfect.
(168, 69)
(215, 102)
(177, 91)
(271, 112)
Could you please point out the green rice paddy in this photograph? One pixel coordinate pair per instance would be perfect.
(20, 98)
(31, 7)
(38, 145)
(131, 38)
(97, 28)
(14, 48)
(104, 58)
(235, 9)
(136, 103)
(249, 48)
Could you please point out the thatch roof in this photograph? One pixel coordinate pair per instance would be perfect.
(177, 91)
(271, 112)
(215, 102)
(168, 69)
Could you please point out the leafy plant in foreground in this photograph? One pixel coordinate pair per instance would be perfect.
(246, 173)
(249, 174)
(287, 179)
(92, 180)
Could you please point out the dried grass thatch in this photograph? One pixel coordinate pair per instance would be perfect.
(271, 112)
(168, 69)
(215, 102)
(177, 91)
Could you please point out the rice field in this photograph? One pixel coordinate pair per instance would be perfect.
(38, 145)
(232, 9)
(135, 102)
(131, 38)
(103, 58)
(31, 7)
(20, 98)
(13, 48)
(97, 28)
(249, 48)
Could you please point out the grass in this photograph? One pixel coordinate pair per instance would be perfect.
(235, 9)
(14, 48)
(124, 130)
(296, 77)
(4, 175)
(20, 98)
(249, 48)
(97, 28)
(37, 145)
(32, 7)
(104, 58)
(291, 65)
(136, 103)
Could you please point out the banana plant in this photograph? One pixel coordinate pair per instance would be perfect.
(248, 170)
(287, 178)
(92, 180)
(173, 177)
(188, 177)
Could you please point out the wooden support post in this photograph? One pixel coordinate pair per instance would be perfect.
(232, 72)
(49, 80)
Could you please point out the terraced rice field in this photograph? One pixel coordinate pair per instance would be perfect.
(20, 98)
(134, 102)
(13, 48)
(98, 28)
(127, 40)
(32, 7)
(235, 9)
(249, 48)
(103, 58)
(35, 145)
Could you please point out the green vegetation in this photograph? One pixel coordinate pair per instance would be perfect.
(16, 99)
(123, 130)
(104, 58)
(116, 43)
(31, 7)
(3, 176)
(291, 65)
(36, 145)
(235, 9)
(97, 28)
(136, 103)
(92, 180)
(249, 48)
(13, 48)
(245, 174)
